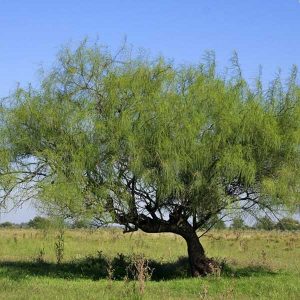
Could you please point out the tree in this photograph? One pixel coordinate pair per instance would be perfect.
(7, 225)
(220, 224)
(39, 223)
(265, 223)
(287, 223)
(79, 223)
(238, 223)
(149, 145)
(214, 223)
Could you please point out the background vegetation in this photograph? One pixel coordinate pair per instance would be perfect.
(96, 265)
(262, 223)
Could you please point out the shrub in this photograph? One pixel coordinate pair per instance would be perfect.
(238, 223)
(288, 224)
(264, 223)
(81, 224)
(7, 225)
(39, 223)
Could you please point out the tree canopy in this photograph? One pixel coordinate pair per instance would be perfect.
(39, 223)
(148, 144)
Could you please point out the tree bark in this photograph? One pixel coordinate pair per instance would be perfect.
(200, 265)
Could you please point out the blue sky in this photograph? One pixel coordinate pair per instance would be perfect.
(265, 32)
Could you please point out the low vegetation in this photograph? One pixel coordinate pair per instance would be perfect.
(107, 264)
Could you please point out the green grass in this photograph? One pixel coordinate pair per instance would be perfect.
(258, 265)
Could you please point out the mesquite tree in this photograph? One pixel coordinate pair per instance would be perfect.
(149, 145)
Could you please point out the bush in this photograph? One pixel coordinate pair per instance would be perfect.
(288, 224)
(265, 223)
(78, 224)
(238, 223)
(7, 225)
(215, 223)
(220, 224)
(39, 223)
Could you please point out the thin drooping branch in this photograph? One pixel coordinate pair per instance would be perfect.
(23, 182)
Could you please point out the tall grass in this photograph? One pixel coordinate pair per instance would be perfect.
(106, 264)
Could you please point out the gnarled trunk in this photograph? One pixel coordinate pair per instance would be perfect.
(200, 265)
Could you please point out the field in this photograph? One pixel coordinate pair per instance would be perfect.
(255, 265)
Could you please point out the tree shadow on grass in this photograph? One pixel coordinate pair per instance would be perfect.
(121, 266)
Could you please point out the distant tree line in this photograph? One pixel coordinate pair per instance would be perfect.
(262, 223)
(238, 223)
(39, 222)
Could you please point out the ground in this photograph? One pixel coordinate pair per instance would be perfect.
(255, 265)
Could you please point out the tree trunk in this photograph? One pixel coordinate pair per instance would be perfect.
(200, 265)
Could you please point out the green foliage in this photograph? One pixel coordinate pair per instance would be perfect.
(265, 223)
(39, 223)
(103, 133)
(238, 223)
(59, 246)
(81, 223)
(220, 224)
(7, 225)
(288, 224)
(215, 223)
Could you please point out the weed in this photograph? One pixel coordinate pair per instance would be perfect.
(59, 247)
(264, 257)
(110, 272)
(141, 271)
(204, 293)
(41, 256)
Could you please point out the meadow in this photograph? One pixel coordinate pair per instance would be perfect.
(95, 264)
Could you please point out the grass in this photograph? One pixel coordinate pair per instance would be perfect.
(257, 265)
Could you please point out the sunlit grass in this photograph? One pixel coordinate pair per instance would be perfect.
(264, 265)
